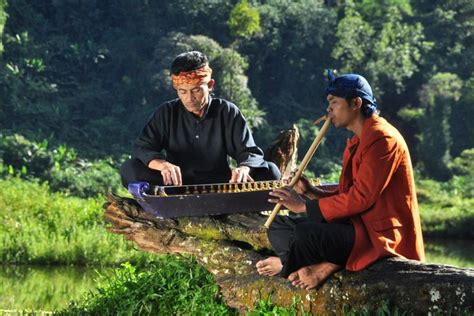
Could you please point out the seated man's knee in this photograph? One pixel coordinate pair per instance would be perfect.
(265, 174)
(128, 171)
(273, 171)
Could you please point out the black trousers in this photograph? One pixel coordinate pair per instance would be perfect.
(301, 241)
(133, 170)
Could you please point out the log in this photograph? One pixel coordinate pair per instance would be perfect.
(229, 247)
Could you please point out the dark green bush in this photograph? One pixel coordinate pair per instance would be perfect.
(60, 167)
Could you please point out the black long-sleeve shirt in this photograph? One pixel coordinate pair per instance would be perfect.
(199, 146)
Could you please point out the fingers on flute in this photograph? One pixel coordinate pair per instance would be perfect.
(278, 195)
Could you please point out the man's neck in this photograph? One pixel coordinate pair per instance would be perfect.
(200, 113)
(357, 125)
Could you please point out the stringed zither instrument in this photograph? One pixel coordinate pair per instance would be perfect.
(204, 199)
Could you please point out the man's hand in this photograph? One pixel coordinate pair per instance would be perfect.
(304, 187)
(289, 198)
(241, 174)
(171, 173)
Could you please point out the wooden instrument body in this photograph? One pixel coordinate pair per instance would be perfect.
(206, 199)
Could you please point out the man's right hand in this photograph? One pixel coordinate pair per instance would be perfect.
(171, 173)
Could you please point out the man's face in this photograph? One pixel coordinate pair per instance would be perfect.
(194, 97)
(340, 111)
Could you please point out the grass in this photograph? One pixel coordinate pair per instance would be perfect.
(40, 227)
(447, 209)
(170, 286)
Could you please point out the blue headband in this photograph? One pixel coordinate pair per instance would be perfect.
(350, 86)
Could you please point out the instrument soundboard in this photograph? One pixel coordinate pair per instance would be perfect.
(204, 199)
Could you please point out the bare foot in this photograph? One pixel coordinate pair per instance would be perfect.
(294, 278)
(270, 266)
(311, 276)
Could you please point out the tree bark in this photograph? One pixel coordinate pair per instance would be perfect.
(229, 247)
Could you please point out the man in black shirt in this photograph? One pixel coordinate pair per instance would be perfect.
(187, 140)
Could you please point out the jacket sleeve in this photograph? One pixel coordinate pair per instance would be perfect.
(378, 162)
(151, 141)
(240, 143)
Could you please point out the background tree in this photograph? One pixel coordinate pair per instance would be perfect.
(462, 129)
(438, 96)
(387, 49)
(244, 21)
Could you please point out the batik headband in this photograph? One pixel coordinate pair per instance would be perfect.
(197, 76)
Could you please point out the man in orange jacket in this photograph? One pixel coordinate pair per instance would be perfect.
(373, 213)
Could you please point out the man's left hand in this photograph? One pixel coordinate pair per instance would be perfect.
(289, 199)
(241, 174)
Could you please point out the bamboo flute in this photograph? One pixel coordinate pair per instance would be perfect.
(302, 167)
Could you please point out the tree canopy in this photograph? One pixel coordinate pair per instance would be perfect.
(89, 73)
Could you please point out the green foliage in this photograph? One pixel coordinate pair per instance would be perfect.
(462, 129)
(40, 227)
(20, 153)
(409, 113)
(3, 17)
(244, 21)
(290, 58)
(171, 286)
(387, 49)
(464, 164)
(450, 24)
(60, 167)
(377, 8)
(355, 40)
(438, 97)
(447, 208)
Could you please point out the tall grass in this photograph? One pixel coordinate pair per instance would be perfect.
(447, 208)
(40, 227)
(170, 286)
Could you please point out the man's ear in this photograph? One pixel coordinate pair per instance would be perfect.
(210, 84)
(356, 102)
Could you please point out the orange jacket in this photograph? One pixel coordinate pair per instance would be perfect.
(377, 192)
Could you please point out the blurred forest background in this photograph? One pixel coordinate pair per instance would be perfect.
(82, 77)
(79, 78)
